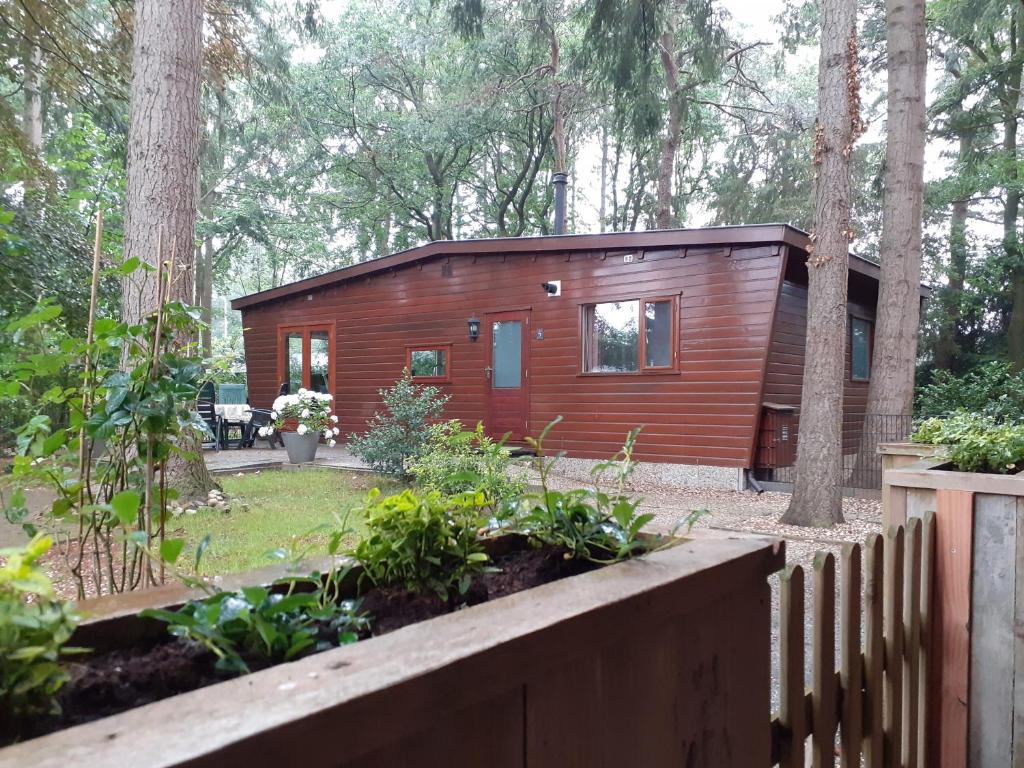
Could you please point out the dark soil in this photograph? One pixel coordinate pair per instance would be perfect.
(120, 680)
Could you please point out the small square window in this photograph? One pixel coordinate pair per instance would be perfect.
(860, 349)
(429, 362)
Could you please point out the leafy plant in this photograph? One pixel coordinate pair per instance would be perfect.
(268, 625)
(455, 461)
(995, 390)
(589, 523)
(128, 386)
(976, 443)
(427, 543)
(34, 627)
(396, 435)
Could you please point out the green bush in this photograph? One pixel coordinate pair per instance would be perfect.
(396, 435)
(603, 526)
(427, 543)
(994, 389)
(976, 443)
(34, 627)
(456, 461)
(259, 623)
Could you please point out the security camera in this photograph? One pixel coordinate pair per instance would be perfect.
(552, 287)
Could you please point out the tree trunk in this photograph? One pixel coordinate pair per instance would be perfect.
(204, 291)
(670, 142)
(1011, 210)
(817, 496)
(894, 356)
(163, 172)
(602, 207)
(33, 113)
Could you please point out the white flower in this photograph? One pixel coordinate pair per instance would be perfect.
(334, 419)
(335, 430)
(273, 414)
(263, 432)
(305, 413)
(303, 390)
(332, 443)
(302, 429)
(327, 434)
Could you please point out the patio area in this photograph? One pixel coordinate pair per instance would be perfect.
(240, 460)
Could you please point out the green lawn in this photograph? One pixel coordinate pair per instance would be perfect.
(284, 509)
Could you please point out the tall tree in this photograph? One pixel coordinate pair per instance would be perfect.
(817, 496)
(894, 358)
(163, 170)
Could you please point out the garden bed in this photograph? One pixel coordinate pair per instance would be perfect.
(677, 634)
(157, 667)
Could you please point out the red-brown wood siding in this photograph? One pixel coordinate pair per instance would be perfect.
(784, 376)
(706, 413)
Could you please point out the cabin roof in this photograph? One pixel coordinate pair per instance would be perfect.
(663, 238)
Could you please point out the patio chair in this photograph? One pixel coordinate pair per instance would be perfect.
(214, 424)
(260, 418)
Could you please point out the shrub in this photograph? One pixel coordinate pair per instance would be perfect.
(976, 443)
(994, 389)
(397, 434)
(258, 623)
(425, 543)
(591, 524)
(34, 626)
(456, 461)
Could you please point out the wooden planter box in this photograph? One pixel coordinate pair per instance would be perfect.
(662, 661)
(977, 654)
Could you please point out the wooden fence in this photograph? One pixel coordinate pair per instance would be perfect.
(873, 706)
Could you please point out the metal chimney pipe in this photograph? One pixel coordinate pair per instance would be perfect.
(559, 180)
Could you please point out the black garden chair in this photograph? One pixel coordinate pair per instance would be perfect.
(205, 407)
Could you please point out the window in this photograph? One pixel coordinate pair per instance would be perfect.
(860, 349)
(633, 336)
(305, 358)
(429, 362)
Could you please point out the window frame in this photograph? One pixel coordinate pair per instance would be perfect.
(642, 369)
(870, 343)
(306, 330)
(445, 346)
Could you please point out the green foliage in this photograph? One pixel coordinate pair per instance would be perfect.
(125, 389)
(976, 443)
(34, 627)
(259, 624)
(424, 543)
(456, 461)
(591, 524)
(396, 436)
(995, 390)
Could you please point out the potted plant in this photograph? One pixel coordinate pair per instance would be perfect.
(302, 419)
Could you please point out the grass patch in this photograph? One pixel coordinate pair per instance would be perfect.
(285, 508)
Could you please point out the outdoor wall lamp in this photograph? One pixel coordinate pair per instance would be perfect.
(474, 328)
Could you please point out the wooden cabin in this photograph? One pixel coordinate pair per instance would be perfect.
(695, 334)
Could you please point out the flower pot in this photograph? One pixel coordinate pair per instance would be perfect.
(301, 448)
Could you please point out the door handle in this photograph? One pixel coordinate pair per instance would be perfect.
(488, 370)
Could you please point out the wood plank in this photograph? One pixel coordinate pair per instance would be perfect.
(874, 651)
(993, 593)
(850, 672)
(823, 669)
(926, 646)
(912, 640)
(951, 616)
(893, 705)
(792, 716)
